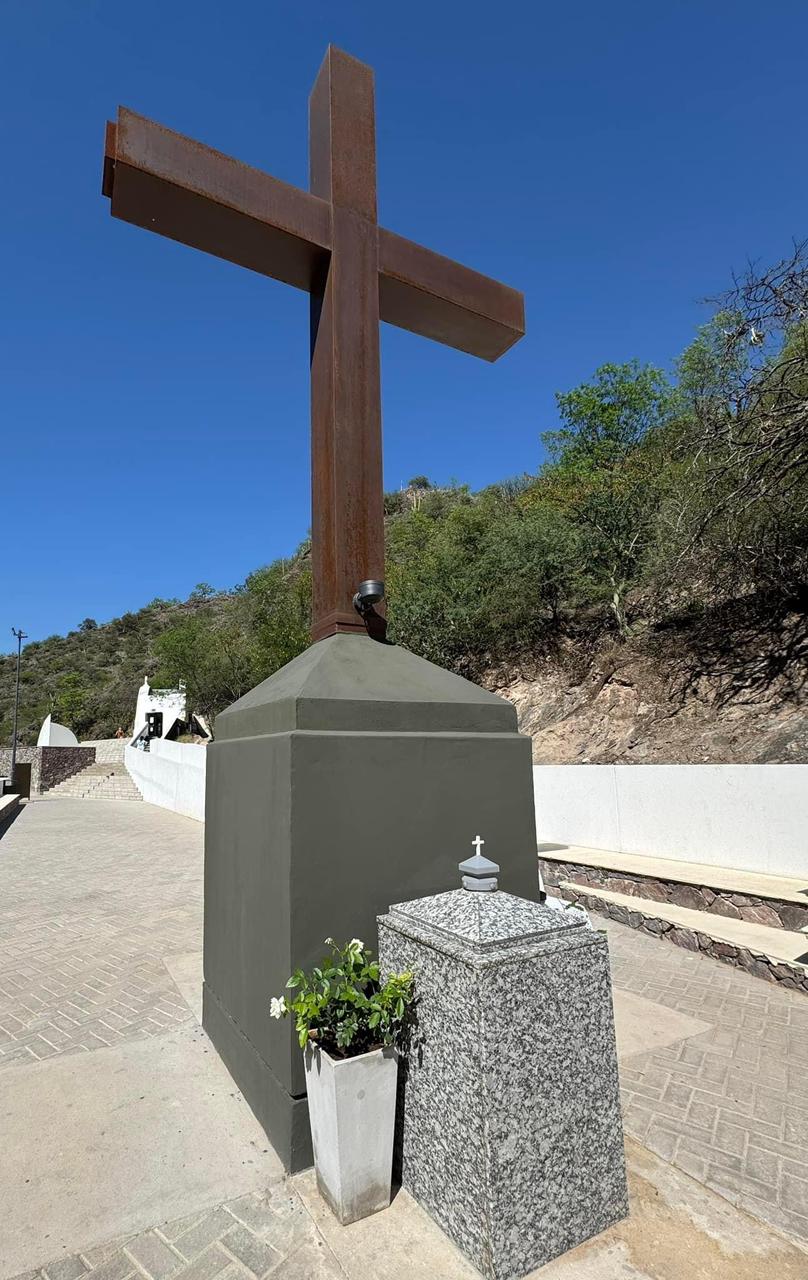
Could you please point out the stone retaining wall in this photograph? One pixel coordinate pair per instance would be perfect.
(25, 755)
(760, 966)
(774, 912)
(59, 763)
(49, 765)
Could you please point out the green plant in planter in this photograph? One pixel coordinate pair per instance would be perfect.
(343, 1005)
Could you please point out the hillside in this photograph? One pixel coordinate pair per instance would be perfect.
(729, 688)
(89, 678)
(643, 596)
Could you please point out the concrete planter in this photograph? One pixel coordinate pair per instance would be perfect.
(352, 1107)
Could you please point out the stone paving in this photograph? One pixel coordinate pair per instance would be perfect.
(242, 1239)
(89, 905)
(729, 1106)
(93, 899)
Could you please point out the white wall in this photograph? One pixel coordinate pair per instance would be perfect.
(170, 701)
(55, 735)
(170, 774)
(752, 817)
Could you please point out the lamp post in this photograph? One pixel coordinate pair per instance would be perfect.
(21, 635)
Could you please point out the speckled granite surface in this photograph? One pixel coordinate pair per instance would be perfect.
(510, 1131)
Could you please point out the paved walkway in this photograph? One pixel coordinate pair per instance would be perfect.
(93, 897)
(730, 1105)
(127, 1152)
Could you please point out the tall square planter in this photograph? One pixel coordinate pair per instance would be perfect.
(352, 1106)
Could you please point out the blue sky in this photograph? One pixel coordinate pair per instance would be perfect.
(615, 162)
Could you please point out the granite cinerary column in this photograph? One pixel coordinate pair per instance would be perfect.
(510, 1132)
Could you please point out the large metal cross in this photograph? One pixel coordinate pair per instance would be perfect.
(328, 242)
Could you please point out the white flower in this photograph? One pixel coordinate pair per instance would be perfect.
(277, 1006)
(356, 942)
(329, 942)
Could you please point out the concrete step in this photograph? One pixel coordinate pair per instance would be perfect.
(775, 901)
(114, 788)
(778, 955)
(108, 750)
(99, 781)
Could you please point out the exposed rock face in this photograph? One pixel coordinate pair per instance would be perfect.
(723, 690)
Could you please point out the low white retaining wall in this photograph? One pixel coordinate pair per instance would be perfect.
(751, 817)
(171, 774)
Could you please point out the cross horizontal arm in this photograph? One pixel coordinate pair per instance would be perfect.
(168, 183)
(437, 298)
(165, 182)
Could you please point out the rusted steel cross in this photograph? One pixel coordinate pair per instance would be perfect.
(328, 242)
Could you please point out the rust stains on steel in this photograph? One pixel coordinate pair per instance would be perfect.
(326, 241)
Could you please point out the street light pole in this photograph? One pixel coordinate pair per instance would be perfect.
(21, 635)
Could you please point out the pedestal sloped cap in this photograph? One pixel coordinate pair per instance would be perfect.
(350, 682)
(486, 921)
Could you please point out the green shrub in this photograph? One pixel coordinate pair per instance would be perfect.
(343, 1006)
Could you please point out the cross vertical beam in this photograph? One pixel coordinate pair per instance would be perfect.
(346, 435)
(328, 242)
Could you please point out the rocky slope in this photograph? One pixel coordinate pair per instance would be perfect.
(728, 687)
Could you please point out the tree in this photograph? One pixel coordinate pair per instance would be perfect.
(743, 398)
(482, 577)
(213, 655)
(599, 475)
(277, 606)
(70, 702)
(758, 343)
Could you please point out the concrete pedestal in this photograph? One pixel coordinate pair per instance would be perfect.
(355, 776)
(510, 1132)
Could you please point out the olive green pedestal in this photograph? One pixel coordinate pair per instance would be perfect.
(356, 776)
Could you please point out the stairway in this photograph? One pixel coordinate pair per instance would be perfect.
(108, 750)
(752, 921)
(102, 780)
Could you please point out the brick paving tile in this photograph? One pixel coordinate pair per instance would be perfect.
(729, 1106)
(154, 1256)
(248, 1249)
(80, 954)
(70, 1268)
(170, 1230)
(115, 1268)
(254, 1212)
(258, 1235)
(209, 1264)
(209, 1229)
(101, 1253)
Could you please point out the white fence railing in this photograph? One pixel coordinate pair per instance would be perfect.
(751, 817)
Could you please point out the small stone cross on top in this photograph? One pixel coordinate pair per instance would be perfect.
(478, 872)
